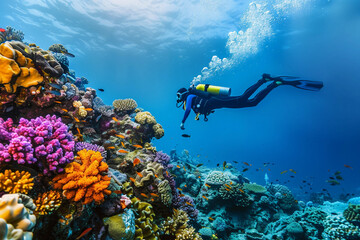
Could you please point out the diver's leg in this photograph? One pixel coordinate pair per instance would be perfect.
(261, 95)
(253, 88)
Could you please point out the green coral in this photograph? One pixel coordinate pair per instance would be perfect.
(235, 193)
(145, 228)
(352, 213)
(165, 193)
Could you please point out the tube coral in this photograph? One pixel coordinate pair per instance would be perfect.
(85, 182)
(16, 182)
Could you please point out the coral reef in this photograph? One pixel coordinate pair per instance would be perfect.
(47, 203)
(124, 105)
(15, 220)
(16, 182)
(43, 141)
(336, 227)
(85, 182)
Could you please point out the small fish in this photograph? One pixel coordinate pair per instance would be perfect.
(65, 110)
(179, 189)
(56, 93)
(224, 165)
(207, 185)
(199, 176)
(89, 109)
(189, 204)
(292, 170)
(122, 144)
(211, 219)
(337, 173)
(347, 166)
(185, 135)
(156, 176)
(242, 191)
(227, 189)
(154, 195)
(205, 198)
(152, 201)
(218, 164)
(245, 169)
(136, 161)
(78, 130)
(57, 102)
(110, 147)
(2, 30)
(199, 165)
(185, 185)
(120, 136)
(228, 185)
(101, 90)
(338, 177)
(83, 233)
(325, 190)
(144, 195)
(231, 183)
(132, 179)
(235, 162)
(115, 119)
(139, 174)
(246, 164)
(76, 119)
(122, 151)
(284, 172)
(137, 146)
(292, 176)
(181, 195)
(178, 166)
(117, 192)
(184, 168)
(332, 178)
(167, 173)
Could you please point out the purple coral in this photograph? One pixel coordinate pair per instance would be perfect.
(88, 146)
(163, 159)
(43, 140)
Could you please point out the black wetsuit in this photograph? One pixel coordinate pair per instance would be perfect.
(205, 105)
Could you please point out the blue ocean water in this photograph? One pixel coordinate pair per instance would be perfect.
(148, 50)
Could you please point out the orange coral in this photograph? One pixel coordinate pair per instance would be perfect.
(85, 182)
(16, 182)
(16, 70)
(48, 202)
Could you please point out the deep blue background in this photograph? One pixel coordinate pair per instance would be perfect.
(314, 133)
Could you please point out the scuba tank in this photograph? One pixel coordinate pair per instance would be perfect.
(214, 90)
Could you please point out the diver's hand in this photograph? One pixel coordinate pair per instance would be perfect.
(182, 126)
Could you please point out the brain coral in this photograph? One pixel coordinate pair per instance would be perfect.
(165, 192)
(15, 220)
(352, 213)
(16, 182)
(86, 182)
(124, 104)
(148, 174)
(16, 70)
(145, 118)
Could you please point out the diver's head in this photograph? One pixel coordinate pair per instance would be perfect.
(181, 94)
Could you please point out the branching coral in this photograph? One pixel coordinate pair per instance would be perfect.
(16, 182)
(85, 182)
(43, 140)
(47, 203)
(124, 104)
(177, 226)
(15, 220)
(88, 146)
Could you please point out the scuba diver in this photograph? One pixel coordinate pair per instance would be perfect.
(204, 98)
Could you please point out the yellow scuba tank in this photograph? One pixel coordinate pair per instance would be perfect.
(214, 90)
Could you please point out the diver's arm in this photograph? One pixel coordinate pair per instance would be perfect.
(189, 100)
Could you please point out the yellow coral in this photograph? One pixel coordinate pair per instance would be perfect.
(158, 131)
(145, 118)
(124, 104)
(85, 182)
(15, 220)
(47, 203)
(16, 70)
(82, 112)
(16, 182)
(145, 228)
(77, 104)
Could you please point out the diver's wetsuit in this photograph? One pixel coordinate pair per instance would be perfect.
(205, 106)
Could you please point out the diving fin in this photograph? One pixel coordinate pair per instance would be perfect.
(299, 83)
